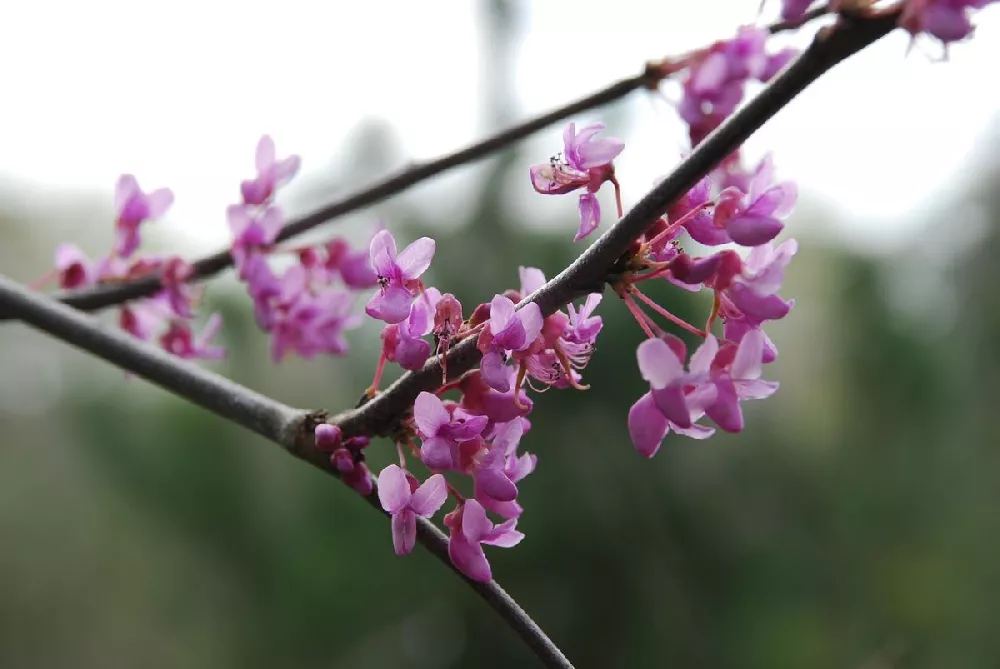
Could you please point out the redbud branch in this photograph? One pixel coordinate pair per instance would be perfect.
(589, 272)
(107, 295)
(288, 427)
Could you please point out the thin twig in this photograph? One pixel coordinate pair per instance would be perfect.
(588, 273)
(288, 427)
(106, 295)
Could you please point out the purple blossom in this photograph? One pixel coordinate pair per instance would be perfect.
(404, 500)
(74, 268)
(396, 275)
(720, 397)
(470, 529)
(747, 218)
(793, 10)
(354, 266)
(480, 399)
(947, 20)
(586, 162)
(509, 330)
(753, 292)
(441, 430)
(313, 323)
(666, 406)
(251, 230)
(182, 342)
(271, 173)
(133, 207)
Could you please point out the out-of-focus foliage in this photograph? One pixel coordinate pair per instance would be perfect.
(855, 523)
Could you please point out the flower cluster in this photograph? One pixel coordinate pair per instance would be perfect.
(717, 76)
(167, 316)
(304, 309)
(478, 434)
(732, 205)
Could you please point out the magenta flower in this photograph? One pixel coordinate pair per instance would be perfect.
(586, 162)
(470, 529)
(720, 397)
(755, 217)
(583, 327)
(441, 430)
(75, 269)
(252, 231)
(404, 500)
(509, 330)
(947, 20)
(134, 207)
(271, 173)
(793, 10)
(497, 470)
(354, 266)
(647, 426)
(753, 293)
(404, 341)
(182, 342)
(396, 275)
(313, 323)
(480, 399)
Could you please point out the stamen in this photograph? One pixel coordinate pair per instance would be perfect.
(645, 322)
(680, 322)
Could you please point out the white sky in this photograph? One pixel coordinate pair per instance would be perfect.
(179, 92)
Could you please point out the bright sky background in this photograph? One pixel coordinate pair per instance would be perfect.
(179, 92)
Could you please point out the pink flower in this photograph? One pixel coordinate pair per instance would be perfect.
(313, 323)
(480, 399)
(252, 231)
(740, 380)
(753, 292)
(442, 430)
(666, 406)
(75, 269)
(470, 529)
(404, 500)
(271, 173)
(586, 162)
(509, 330)
(793, 10)
(182, 342)
(947, 20)
(354, 266)
(396, 275)
(134, 207)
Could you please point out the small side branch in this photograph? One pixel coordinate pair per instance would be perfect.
(290, 428)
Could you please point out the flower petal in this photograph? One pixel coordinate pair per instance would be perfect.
(416, 258)
(646, 426)
(494, 483)
(475, 524)
(404, 532)
(430, 496)
(658, 363)
(430, 414)
(725, 411)
(393, 489)
(435, 452)
(501, 313)
(590, 215)
(749, 355)
(468, 558)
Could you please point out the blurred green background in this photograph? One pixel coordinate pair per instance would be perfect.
(853, 524)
